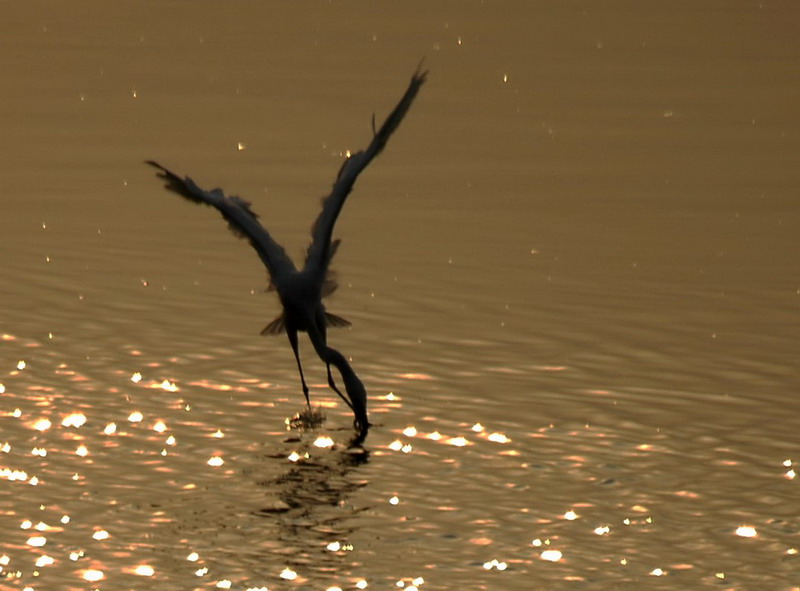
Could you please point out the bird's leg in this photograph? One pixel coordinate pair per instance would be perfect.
(317, 333)
(292, 334)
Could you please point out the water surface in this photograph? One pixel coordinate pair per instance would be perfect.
(572, 278)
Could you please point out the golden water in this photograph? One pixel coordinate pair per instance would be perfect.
(573, 280)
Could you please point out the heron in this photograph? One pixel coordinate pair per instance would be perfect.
(301, 291)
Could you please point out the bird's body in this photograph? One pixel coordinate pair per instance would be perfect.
(301, 291)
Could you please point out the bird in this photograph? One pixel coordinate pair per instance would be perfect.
(301, 291)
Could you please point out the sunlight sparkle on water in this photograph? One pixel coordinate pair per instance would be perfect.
(570, 515)
(362, 584)
(101, 534)
(551, 555)
(410, 431)
(110, 429)
(144, 570)
(20, 365)
(495, 564)
(288, 574)
(498, 438)
(657, 572)
(215, 461)
(135, 417)
(37, 541)
(458, 441)
(42, 424)
(13, 475)
(136, 378)
(746, 531)
(92, 575)
(169, 386)
(415, 376)
(323, 441)
(76, 419)
(44, 560)
(193, 557)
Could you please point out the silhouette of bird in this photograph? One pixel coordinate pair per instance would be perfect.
(301, 291)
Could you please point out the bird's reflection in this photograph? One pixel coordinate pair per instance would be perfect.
(314, 511)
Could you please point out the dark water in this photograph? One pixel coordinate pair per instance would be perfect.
(573, 280)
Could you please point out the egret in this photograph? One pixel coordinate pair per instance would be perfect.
(301, 291)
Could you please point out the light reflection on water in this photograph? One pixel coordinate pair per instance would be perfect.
(115, 492)
(144, 474)
(492, 460)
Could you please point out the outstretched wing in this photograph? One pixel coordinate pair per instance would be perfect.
(241, 220)
(321, 249)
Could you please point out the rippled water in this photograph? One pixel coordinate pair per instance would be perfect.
(572, 278)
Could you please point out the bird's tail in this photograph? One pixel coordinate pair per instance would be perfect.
(278, 325)
(336, 321)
